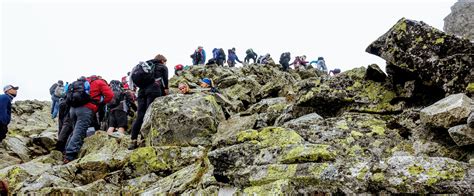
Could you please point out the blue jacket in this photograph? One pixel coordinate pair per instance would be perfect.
(5, 109)
(203, 60)
(233, 57)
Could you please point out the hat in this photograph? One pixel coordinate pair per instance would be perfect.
(207, 81)
(60, 82)
(8, 87)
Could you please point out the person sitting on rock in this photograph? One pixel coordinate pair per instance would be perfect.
(208, 84)
(6, 109)
(184, 88)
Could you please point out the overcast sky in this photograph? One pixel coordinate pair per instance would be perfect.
(43, 41)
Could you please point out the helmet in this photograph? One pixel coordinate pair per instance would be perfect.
(178, 67)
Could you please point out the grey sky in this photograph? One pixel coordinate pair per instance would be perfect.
(43, 41)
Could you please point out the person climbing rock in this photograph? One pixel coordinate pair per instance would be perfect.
(232, 58)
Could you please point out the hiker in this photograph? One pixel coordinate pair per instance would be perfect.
(300, 62)
(56, 92)
(207, 83)
(199, 56)
(178, 69)
(250, 55)
(232, 58)
(118, 109)
(264, 59)
(184, 88)
(125, 81)
(6, 109)
(321, 64)
(151, 85)
(65, 126)
(285, 59)
(220, 58)
(335, 71)
(84, 96)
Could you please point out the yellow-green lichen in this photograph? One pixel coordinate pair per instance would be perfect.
(316, 170)
(401, 26)
(355, 150)
(362, 173)
(145, 160)
(378, 177)
(415, 170)
(270, 136)
(275, 172)
(309, 153)
(439, 40)
(378, 130)
(277, 107)
(356, 134)
(470, 88)
(274, 188)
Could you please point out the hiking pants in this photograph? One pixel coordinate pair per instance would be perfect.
(64, 133)
(54, 107)
(82, 118)
(143, 103)
(285, 66)
(3, 132)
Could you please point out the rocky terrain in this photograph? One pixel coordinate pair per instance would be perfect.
(459, 22)
(270, 132)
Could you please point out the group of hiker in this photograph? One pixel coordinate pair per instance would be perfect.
(91, 103)
(219, 57)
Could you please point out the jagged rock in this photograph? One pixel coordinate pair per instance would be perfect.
(349, 91)
(409, 174)
(18, 145)
(231, 127)
(161, 160)
(43, 181)
(31, 117)
(137, 185)
(375, 73)
(47, 139)
(182, 120)
(180, 181)
(462, 135)
(447, 112)
(17, 174)
(416, 50)
(470, 120)
(6, 159)
(459, 21)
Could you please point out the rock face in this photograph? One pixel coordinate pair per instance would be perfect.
(447, 112)
(270, 132)
(416, 51)
(459, 21)
(182, 120)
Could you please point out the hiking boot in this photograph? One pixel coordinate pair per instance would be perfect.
(133, 145)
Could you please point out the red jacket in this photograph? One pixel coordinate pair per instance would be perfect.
(99, 90)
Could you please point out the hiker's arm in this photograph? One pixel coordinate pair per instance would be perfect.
(165, 80)
(106, 92)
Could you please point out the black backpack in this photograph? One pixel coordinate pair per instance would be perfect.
(77, 95)
(117, 88)
(197, 56)
(143, 74)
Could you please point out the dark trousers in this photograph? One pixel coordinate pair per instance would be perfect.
(64, 133)
(3, 132)
(82, 118)
(285, 66)
(143, 103)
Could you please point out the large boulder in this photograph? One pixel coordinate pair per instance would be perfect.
(459, 21)
(349, 91)
(415, 50)
(447, 112)
(182, 120)
(462, 135)
(31, 117)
